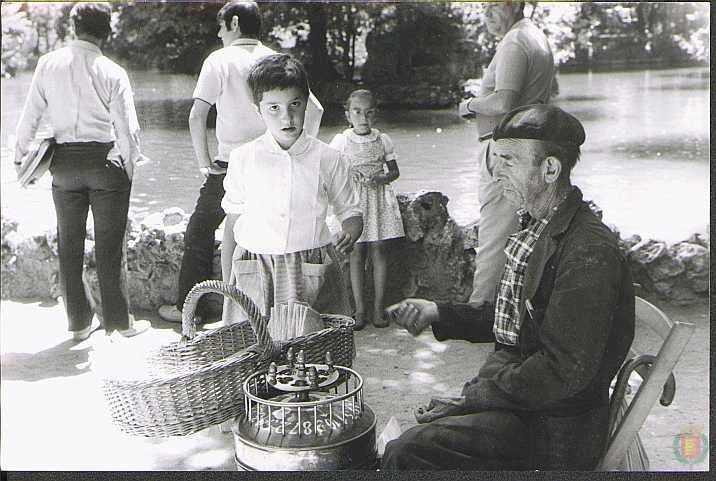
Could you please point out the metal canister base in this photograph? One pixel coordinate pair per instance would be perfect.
(354, 450)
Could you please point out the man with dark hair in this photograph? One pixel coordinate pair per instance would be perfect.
(520, 73)
(562, 323)
(88, 100)
(222, 82)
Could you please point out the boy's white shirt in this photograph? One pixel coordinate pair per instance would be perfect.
(282, 196)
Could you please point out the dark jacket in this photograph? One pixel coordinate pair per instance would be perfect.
(570, 347)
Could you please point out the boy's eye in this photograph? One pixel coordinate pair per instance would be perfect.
(296, 103)
(273, 108)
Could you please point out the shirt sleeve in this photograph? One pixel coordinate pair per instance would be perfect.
(573, 336)
(124, 119)
(466, 321)
(511, 68)
(208, 85)
(341, 195)
(314, 113)
(339, 142)
(389, 148)
(234, 198)
(35, 106)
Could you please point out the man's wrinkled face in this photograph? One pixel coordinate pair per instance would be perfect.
(499, 17)
(515, 170)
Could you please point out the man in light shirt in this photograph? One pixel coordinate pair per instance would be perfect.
(89, 103)
(520, 73)
(222, 82)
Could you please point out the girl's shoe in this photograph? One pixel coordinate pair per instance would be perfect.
(360, 321)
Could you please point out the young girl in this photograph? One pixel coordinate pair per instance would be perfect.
(370, 152)
(277, 247)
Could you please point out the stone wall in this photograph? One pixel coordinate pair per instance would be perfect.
(434, 260)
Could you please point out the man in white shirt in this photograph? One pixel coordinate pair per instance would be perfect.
(88, 100)
(222, 82)
(520, 73)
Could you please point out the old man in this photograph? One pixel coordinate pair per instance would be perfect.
(562, 322)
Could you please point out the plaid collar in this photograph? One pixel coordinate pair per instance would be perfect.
(509, 295)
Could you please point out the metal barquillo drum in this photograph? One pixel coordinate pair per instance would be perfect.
(305, 417)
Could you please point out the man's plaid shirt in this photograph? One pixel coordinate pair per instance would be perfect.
(519, 248)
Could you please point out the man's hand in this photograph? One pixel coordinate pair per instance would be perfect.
(463, 110)
(129, 169)
(439, 408)
(413, 315)
(19, 155)
(212, 169)
(351, 230)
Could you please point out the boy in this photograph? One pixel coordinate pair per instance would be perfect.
(278, 189)
(222, 82)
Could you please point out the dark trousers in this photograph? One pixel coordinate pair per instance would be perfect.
(492, 440)
(82, 177)
(501, 440)
(198, 259)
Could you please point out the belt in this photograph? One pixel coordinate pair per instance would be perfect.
(100, 148)
(485, 137)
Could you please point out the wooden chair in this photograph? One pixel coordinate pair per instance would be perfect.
(625, 419)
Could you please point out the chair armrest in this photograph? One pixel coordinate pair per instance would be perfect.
(641, 365)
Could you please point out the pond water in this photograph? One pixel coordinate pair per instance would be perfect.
(645, 162)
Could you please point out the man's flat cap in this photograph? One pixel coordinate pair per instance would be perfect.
(540, 122)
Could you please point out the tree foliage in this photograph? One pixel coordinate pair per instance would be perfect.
(395, 40)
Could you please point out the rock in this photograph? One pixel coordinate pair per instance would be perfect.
(173, 216)
(694, 256)
(435, 260)
(700, 239)
(470, 235)
(648, 251)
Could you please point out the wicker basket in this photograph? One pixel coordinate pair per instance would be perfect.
(197, 382)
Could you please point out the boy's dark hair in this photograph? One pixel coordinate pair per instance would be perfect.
(249, 17)
(360, 93)
(277, 72)
(92, 19)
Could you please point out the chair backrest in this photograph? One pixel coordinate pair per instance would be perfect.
(656, 372)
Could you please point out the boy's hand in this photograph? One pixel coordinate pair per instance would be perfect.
(351, 229)
(344, 243)
(378, 179)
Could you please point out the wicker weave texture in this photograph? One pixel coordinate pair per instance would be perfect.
(197, 382)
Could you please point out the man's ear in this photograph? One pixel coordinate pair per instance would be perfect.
(348, 118)
(256, 107)
(551, 168)
(235, 24)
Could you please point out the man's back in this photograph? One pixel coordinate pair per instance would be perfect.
(223, 82)
(78, 84)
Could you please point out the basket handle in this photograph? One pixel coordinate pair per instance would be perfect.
(257, 320)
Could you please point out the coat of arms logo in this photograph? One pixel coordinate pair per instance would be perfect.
(690, 446)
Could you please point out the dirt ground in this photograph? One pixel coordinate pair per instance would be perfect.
(54, 415)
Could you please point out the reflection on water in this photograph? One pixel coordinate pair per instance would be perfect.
(645, 162)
